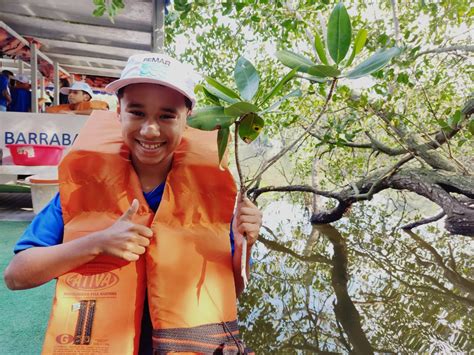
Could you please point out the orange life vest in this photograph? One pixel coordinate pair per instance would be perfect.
(86, 105)
(187, 268)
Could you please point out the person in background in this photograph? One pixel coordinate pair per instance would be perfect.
(21, 94)
(63, 98)
(5, 95)
(80, 100)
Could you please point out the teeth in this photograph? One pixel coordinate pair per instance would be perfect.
(150, 146)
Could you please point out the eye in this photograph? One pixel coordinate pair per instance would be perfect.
(137, 113)
(167, 117)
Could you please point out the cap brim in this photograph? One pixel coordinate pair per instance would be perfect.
(116, 85)
(64, 91)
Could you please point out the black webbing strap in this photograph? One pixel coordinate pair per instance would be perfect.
(215, 338)
(85, 318)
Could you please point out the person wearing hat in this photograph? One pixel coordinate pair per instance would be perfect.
(80, 100)
(21, 94)
(146, 234)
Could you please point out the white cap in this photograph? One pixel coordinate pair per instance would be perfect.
(157, 68)
(22, 78)
(78, 85)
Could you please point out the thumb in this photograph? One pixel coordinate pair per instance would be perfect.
(128, 214)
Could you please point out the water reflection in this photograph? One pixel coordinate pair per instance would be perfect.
(360, 286)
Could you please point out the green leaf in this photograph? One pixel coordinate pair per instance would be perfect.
(359, 43)
(214, 99)
(471, 126)
(317, 79)
(319, 45)
(221, 95)
(98, 12)
(222, 88)
(277, 88)
(294, 93)
(455, 119)
(294, 60)
(324, 71)
(374, 63)
(250, 127)
(222, 141)
(210, 118)
(240, 108)
(339, 33)
(247, 79)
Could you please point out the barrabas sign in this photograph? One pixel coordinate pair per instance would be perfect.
(35, 128)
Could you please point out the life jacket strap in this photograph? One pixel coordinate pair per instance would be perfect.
(214, 338)
(85, 318)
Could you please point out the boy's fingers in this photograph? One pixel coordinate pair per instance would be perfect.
(250, 219)
(129, 256)
(142, 230)
(128, 214)
(144, 242)
(249, 211)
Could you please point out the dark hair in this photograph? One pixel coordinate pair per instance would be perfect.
(64, 82)
(7, 72)
(187, 101)
(86, 93)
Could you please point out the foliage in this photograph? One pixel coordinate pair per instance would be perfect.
(111, 7)
(244, 108)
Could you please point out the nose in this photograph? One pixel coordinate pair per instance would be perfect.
(150, 129)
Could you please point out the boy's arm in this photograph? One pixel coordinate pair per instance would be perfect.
(248, 220)
(38, 265)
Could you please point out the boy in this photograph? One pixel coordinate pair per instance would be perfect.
(94, 235)
(80, 100)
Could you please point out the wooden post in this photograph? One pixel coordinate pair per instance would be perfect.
(34, 78)
(158, 34)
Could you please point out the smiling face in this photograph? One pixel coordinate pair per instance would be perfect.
(153, 121)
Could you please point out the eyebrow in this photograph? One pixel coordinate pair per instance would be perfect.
(134, 105)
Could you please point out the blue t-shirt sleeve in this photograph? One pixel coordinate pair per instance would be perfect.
(45, 230)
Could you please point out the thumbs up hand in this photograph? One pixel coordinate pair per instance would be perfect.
(125, 239)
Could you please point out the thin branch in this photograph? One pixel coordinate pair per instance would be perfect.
(296, 188)
(243, 188)
(447, 49)
(390, 172)
(396, 24)
(424, 221)
(347, 144)
(276, 157)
